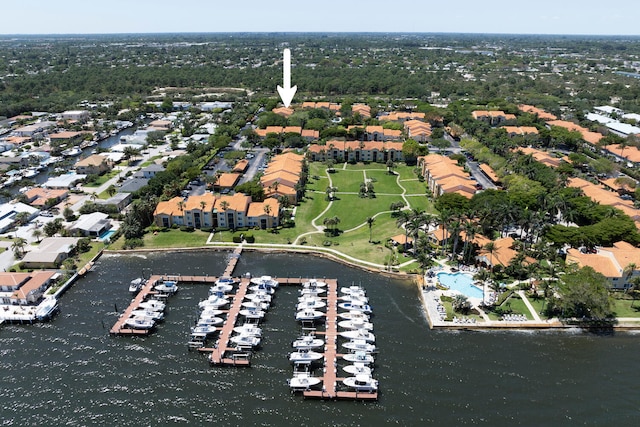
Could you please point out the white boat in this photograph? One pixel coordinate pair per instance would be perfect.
(139, 323)
(308, 314)
(351, 306)
(307, 342)
(149, 314)
(71, 152)
(311, 304)
(265, 280)
(259, 297)
(220, 288)
(305, 357)
(303, 381)
(358, 334)
(361, 383)
(354, 299)
(30, 173)
(243, 340)
(46, 308)
(210, 312)
(215, 301)
(203, 329)
(314, 284)
(359, 357)
(360, 345)
(312, 291)
(352, 290)
(136, 284)
(354, 315)
(225, 281)
(248, 329)
(152, 305)
(197, 340)
(355, 324)
(167, 287)
(262, 288)
(210, 320)
(255, 305)
(251, 313)
(357, 369)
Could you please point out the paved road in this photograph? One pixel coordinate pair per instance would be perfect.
(480, 177)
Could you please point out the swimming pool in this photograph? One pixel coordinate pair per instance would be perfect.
(460, 282)
(106, 235)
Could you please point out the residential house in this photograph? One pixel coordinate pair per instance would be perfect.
(40, 197)
(587, 135)
(95, 164)
(80, 116)
(50, 253)
(283, 111)
(91, 225)
(417, 130)
(362, 109)
(492, 117)
(170, 212)
(151, 170)
(620, 264)
(537, 111)
(119, 201)
(9, 211)
(520, 130)
(198, 211)
(25, 288)
(503, 254)
(67, 137)
(35, 129)
(401, 116)
(543, 156)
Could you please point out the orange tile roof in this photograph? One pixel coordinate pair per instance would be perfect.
(195, 202)
(256, 209)
(520, 130)
(542, 156)
(310, 133)
(65, 135)
(37, 280)
(395, 116)
(169, 207)
(534, 110)
(601, 264)
(478, 114)
(503, 253)
(238, 202)
(489, 172)
(362, 109)
(227, 180)
(630, 153)
(401, 239)
(587, 135)
(241, 166)
(283, 111)
(292, 129)
(38, 196)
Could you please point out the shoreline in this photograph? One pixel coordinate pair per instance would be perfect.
(418, 280)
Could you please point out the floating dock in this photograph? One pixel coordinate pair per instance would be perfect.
(330, 378)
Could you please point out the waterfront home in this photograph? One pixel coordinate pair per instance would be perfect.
(50, 252)
(9, 211)
(25, 288)
(231, 211)
(80, 116)
(620, 264)
(43, 197)
(91, 225)
(96, 164)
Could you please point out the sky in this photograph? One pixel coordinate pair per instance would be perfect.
(584, 17)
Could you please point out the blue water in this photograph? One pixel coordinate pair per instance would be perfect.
(460, 282)
(106, 235)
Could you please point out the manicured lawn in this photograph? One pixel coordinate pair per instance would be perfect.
(370, 166)
(102, 179)
(384, 183)
(517, 306)
(623, 307)
(174, 238)
(539, 305)
(405, 172)
(354, 210)
(414, 187)
(347, 180)
(422, 203)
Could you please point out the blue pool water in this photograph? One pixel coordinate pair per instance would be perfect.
(460, 282)
(106, 235)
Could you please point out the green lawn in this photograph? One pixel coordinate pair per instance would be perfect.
(354, 210)
(422, 203)
(539, 305)
(384, 183)
(414, 187)
(102, 179)
(623, 307)
(347, 180)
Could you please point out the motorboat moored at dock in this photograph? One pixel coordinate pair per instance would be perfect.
(359, 357)
(361, 383)
(360, 345)
(307, 342)
(303, 381)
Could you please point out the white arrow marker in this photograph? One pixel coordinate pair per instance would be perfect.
(286, 92)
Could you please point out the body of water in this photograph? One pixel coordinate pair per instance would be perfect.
(71, 372)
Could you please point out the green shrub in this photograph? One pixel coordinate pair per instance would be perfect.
(206, 229)
(187, 228)
(250, 238)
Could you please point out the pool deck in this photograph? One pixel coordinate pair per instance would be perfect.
(431, 299)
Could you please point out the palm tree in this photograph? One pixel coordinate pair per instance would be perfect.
(111, 190)
(331, 223)
(224, 205)
(627, 273)
(330, 191)
(491, 248)
(203, 205)
(18, 247)
(37, 234)
(370, 221)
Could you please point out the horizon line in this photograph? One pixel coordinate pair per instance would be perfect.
(316, 32)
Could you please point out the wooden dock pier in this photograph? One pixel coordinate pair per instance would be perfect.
(330, 378)
(119, 328)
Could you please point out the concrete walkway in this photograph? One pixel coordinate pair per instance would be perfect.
(529, 306)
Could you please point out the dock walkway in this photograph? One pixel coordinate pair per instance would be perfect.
(119, 327)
